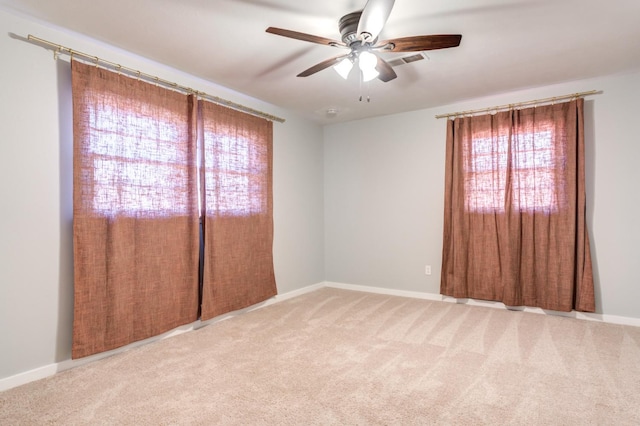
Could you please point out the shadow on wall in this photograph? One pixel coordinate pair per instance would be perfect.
(65, 272)
(590, 179)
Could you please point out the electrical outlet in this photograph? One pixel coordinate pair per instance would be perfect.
(427, 270)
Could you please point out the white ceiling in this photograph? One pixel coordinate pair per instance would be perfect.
(506, 45)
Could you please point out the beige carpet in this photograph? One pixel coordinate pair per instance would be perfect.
(351, 358)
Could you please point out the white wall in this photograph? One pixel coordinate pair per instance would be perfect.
(36, 264)
(384, 181)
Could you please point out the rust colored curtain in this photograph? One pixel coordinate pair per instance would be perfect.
(237, 209)
(135, 210)
(514, 217)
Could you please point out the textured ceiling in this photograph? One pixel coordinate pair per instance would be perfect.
(506, 45)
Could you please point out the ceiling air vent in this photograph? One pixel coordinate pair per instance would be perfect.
(407, 59)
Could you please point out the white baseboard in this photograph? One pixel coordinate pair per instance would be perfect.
(381, 290)
(611, 319)
(51, 369)
(28, 376)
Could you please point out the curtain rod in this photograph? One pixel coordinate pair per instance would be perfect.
(518, 104)
(59, 49)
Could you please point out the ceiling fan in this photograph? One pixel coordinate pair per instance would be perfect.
(359, 31)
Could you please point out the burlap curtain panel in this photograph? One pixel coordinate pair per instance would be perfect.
(135, 208)
(237, 209)
(136, 211)
(514, 217)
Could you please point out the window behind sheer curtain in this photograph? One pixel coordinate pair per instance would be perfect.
(235, 164)
(531, 156)
(138, 168)
(514, 220)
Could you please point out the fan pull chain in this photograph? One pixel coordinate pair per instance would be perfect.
(368, 86)
(368, 91)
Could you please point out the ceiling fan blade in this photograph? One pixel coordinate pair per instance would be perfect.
(304, 37)
(420, 43)
(386, 72)
(322, 65)
(374, 16)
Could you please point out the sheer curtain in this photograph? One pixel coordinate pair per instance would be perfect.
(514, 219)
(237, 209)
(135, 210)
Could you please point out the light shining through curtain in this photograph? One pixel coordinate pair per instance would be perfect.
(138, 168)
(234, 171)
(526, 160)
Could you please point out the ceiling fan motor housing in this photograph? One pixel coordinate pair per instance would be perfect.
(348, 25)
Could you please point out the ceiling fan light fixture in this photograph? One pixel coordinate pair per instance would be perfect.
(344, 67)
(367, 62)
(368, 75)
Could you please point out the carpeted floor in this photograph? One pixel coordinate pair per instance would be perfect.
(351, 358)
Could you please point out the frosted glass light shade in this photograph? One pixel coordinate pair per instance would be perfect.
(368, 75)
(367, 62)
(344, 68)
